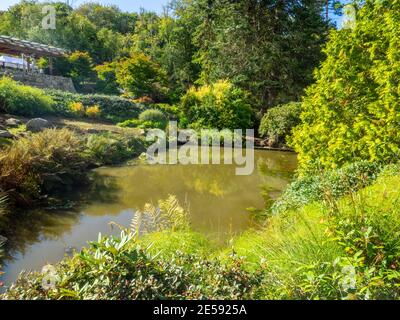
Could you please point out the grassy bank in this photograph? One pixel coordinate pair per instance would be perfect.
(40, 165)
(345, 247)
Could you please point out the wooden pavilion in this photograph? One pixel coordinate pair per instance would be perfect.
(29, 50)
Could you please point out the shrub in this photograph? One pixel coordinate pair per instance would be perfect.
(152, 115)
(112, 108)
(118, 268)
(107, 81)
(43, 163)
(148, 119)
(172, 112)
(93, 111)
(327, 185)
(23, 100)
(77, 108)
(108, 148)
(130, 268)
(220, 106)
(80, 67)
(352, 112)
(278, 122)
(345, 249)
(132, 123)
(140, 76)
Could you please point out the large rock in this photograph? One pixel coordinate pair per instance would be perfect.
(12, 122)
(6, 134)
(37, 124)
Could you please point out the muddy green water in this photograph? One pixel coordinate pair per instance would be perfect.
(218, 201)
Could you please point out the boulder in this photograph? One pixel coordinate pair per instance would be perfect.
(37, 125)
(12, 122)
(6, 134)
(270, 143)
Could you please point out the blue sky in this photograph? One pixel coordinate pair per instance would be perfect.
(125, 5)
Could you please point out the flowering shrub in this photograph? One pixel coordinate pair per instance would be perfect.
(77, 108)
(93, 111)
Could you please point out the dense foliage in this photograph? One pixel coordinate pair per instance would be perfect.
(352, 111)
(140, 76)
(327, 185)
(266, 47)
(56, 160)
(23, 100)
(220, 105)
(108, 148)
(44, 163)
(112, 108)
(278, 122)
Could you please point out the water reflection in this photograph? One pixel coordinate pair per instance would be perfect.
(216, 197)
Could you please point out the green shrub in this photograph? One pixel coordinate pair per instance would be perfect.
(23, 100)
(113, 268)
(278, 122)
(343, 249)
(152, 115)
(132, 268)
(172, 112)
(327, 185)
(132, 123)
(352, 112)
(108, 148)
(112, 108)
(148, 119)
(220, 106)
(46, 162)
(107, 81)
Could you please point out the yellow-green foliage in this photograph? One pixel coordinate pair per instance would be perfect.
(220, 105)
(93, 111)
(23, 100)
(77, 108)
(352, 112)
(166, 243)
(310, 253)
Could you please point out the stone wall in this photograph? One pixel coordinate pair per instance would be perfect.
(39, 80)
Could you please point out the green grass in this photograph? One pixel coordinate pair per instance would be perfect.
(166, 243)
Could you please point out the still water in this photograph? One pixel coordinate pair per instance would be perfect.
(217, 199)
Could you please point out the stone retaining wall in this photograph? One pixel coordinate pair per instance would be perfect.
(40, 80)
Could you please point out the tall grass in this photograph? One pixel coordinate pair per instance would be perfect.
(308, 252)
(46, 162)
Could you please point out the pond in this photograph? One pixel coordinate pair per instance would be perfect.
(218, 202)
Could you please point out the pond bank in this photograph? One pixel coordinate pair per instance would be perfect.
(217, 201)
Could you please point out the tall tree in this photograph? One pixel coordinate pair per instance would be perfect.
(269, 47)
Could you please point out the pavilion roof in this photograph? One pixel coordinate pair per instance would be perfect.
(13, 46)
